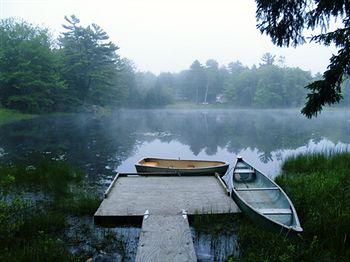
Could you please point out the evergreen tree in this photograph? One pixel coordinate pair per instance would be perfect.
(195, 89)
(285, 22)
(212, 80)
(268, 59)
(90, 62)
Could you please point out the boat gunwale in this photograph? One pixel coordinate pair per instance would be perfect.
(296, 228)
(223, 164)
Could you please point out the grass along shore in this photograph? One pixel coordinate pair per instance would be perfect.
(319, 187)
(42, 199)
(46, 211)
(8, 116)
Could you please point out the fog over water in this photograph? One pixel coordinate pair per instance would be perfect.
(104, 145)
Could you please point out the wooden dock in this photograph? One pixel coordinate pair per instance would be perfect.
(165, 238)
(162, 202)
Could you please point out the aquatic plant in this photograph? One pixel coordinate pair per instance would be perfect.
(7, 116)
(39, 199)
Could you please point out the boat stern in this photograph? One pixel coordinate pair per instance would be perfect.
(297, 229)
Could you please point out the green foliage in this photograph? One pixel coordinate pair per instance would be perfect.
(196, 81)
(213, 223)
(28, 71)
(8, 116)
(82, 202)
(82, 71)
(319, 187)
(45, 175)
(285, 21)
(268, 59)
(90, 63)
(36, 198)
(42, 248)
(268, 86)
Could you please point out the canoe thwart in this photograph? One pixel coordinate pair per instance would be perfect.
(244, 171)
(275, 211)
(262, 200)
(256, 188)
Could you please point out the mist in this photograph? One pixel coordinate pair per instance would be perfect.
(106, 105)
(163, 35)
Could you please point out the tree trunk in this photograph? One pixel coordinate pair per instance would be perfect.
(206, 91)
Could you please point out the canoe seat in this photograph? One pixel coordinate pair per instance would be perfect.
(244, 171)
(256, 188)
(244, 178)
(151, 163)
(275, 211)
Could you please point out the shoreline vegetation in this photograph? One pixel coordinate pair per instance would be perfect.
(8, 116)
(43, 198)
(189, 106)
(319, 187)
(82, 70)
(45, 212)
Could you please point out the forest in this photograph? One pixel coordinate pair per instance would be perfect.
(81, 70)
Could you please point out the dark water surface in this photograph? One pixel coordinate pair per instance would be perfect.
(106, 144)
(101, 145)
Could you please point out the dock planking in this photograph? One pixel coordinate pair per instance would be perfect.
(165, 233)
(131, 196)
(165, 238)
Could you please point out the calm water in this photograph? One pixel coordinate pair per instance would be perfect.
(103, 145)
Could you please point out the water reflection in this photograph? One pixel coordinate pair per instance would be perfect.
(103, 145)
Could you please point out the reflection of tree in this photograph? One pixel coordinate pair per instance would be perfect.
(265, 157)
(86, 142)
(95, 143)
(235, 130)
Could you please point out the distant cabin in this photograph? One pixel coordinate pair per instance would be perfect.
(220, 99)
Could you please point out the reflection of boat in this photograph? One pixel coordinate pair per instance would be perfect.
(183, 167)
(262, 200)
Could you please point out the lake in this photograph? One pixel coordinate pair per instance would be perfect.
(103, 145)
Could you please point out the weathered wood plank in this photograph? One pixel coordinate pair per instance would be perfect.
(165, 238)
(131, 196)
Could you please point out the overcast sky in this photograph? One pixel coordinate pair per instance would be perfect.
(168, 35)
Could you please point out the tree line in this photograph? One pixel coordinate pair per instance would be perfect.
(79, 69)
(271, 84)
(82, 70)
(289, 23)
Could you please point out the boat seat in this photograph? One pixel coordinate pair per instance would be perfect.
(275, 211)
(244, 178)
(151, 163)
(256, 188)
(244, 171)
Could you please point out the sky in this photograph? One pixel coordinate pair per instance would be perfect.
(168, 35)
